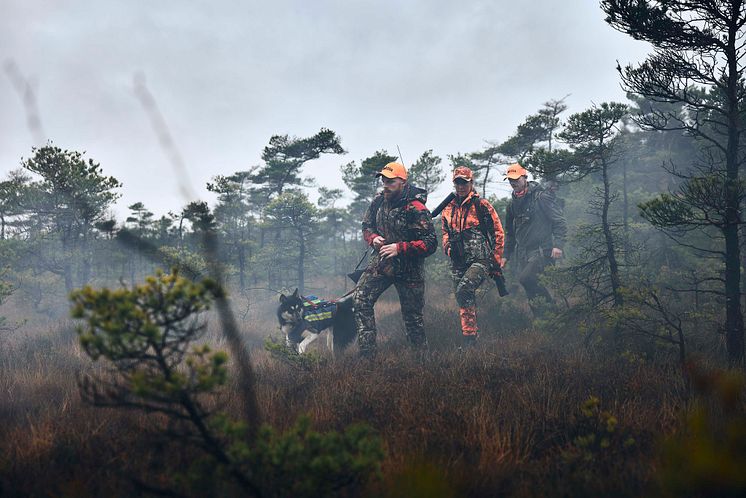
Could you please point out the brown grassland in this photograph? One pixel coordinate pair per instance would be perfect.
(526, 413)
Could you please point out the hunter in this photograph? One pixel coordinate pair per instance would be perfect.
(535, 231)
(397, 225)
(473, 240)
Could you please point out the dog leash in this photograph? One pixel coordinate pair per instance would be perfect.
(357, 266)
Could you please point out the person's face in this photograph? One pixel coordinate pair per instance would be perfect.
(392, 187)
(463, 187)
(519, 184)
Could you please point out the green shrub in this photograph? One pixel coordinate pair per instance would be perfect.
(708, 457)
(597, 446)
(145, 336)
(281, 352)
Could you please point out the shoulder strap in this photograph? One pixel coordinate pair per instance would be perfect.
(541, 192)
(486, 225)
(375, 206)
(535, 192)
(454, 205)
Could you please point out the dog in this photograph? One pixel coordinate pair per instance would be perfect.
(303, 319)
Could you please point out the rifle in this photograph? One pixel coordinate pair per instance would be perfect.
(355, 274)
(435, 212)
(499, 279)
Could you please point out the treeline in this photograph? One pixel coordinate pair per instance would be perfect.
(57, 227)
(58, 233)
(622, 275)
(652, 190)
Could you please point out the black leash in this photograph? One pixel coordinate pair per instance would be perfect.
(361, 260)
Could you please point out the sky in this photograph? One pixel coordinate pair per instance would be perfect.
(227, 75)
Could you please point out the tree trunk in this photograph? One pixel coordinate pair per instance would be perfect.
(241, 266)
(68, 274)
(486, 178)
(85, 253)
(335, 248)
(67, 254)
(610, 253)
(181, 232)
(301, 261)
(132, 268)
(625, 212)
(733, 315)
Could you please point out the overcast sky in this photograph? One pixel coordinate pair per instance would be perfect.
(227, 75)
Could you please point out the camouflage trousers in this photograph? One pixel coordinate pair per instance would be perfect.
(411, 297)
(466, 281)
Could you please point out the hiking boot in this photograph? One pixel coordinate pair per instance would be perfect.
(368, 353)
(467, 342)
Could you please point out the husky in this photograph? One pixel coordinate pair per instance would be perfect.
(303, 318)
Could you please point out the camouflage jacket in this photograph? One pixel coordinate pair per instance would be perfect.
(465, 240)
(534, 221)
(406, 222)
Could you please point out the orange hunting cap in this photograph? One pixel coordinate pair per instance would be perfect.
(515, 171)
(393, 170)
(463, 172)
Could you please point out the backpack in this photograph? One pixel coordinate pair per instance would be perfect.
(378, 201)
(486, 225)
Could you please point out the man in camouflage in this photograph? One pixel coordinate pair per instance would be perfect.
(397, 225)
(535, 231)
(473, 240)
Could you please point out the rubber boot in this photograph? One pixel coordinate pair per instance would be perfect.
(468, 341)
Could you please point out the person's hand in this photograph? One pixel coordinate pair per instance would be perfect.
(556, 253)
(448, 251)
(389, 251)
(503, 261)
(378, 242)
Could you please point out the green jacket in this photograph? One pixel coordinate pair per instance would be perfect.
(533, 222)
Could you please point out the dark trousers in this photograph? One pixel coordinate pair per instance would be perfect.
(530, 268)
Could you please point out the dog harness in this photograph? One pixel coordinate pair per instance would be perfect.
(318, 313)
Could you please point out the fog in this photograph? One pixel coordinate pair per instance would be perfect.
(226, 76)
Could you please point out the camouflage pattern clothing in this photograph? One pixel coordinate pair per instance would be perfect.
(411, 299)
(406, 222)
(534, 224)
(475, 250)
(466, 281)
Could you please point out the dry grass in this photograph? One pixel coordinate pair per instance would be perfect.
(498, 420)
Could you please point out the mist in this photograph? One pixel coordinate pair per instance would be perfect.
(221, 273)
